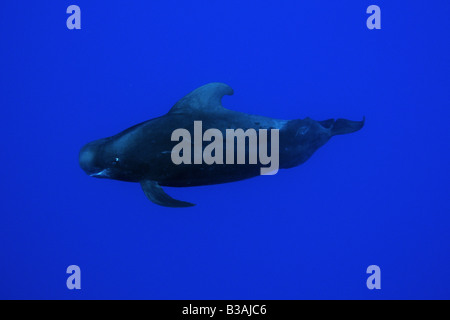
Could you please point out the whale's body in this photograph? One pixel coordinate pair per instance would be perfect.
(143, 153)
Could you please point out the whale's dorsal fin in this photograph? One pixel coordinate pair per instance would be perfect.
(156, 194)
(207, 98)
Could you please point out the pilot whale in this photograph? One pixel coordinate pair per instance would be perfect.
(144, 153)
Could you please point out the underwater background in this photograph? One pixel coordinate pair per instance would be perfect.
(379, 196)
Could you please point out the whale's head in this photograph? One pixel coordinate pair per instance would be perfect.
(100, 159)
(93, 159)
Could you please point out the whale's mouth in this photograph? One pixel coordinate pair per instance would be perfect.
(101, 174)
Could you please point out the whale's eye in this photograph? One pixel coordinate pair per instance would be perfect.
(115, 161)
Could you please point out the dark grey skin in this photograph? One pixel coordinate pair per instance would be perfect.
(142, 153)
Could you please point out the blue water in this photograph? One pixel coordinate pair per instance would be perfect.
(376, 197)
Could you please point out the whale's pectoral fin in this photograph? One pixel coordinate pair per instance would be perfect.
(156, 194)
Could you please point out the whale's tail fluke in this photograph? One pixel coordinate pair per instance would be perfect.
(344, 126)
